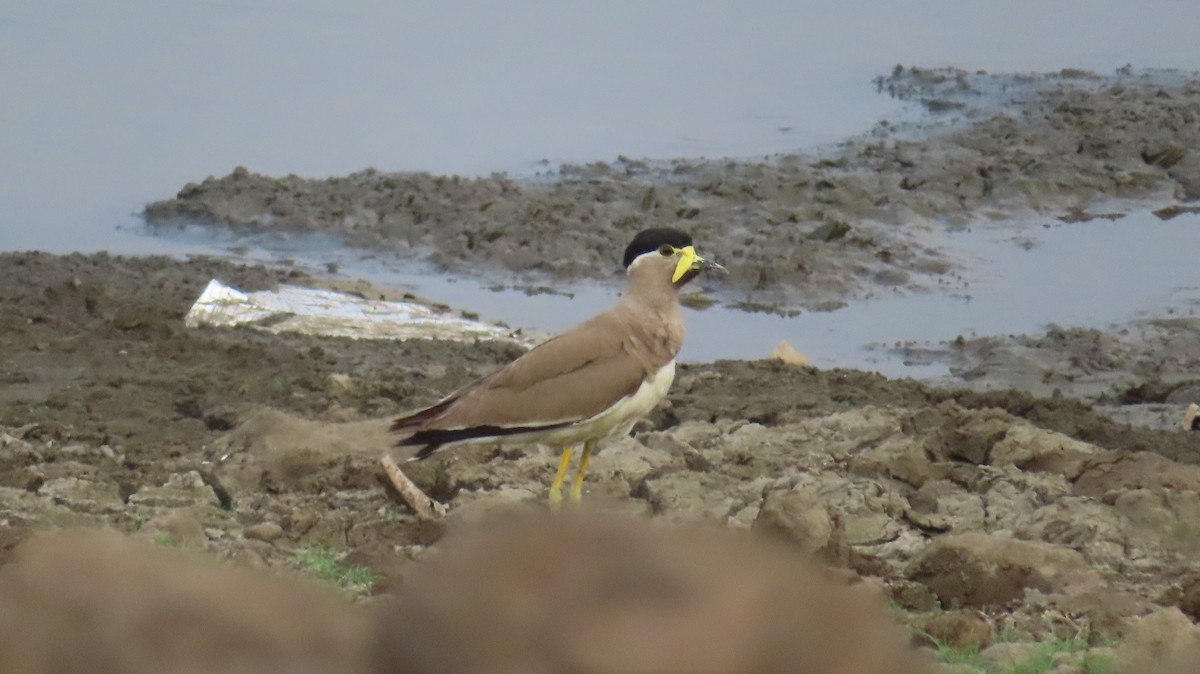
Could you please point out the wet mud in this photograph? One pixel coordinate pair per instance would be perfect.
(805, 230)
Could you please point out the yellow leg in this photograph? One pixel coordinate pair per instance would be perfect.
(577, 484)
(556, 487)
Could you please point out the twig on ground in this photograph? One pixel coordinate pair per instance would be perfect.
(425, 507)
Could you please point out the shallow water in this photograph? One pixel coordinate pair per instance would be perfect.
(110, 105)
(1021, 279)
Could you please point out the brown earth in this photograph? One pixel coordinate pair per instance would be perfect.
(1142, 372)
(1009, 503)
(1037, 515)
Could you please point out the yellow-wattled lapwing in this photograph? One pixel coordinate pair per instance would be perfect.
(591, 382)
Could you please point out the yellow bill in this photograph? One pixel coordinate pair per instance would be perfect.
(688, 259)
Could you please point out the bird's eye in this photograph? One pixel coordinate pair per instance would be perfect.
(666, 250)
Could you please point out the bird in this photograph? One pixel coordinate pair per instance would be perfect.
(592, 382)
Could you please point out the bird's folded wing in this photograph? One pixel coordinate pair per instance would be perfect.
(571, 377)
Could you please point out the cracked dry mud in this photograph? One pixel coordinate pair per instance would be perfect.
(1029, 516)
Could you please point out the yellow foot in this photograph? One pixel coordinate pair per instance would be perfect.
(556, 487)
(576, 494)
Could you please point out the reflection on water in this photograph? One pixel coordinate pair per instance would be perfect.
(110, 105)
(1085, 274)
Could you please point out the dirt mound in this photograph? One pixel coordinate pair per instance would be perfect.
(530, 593)
(615, 595)
(91, 601)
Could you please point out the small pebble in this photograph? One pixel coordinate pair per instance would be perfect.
(264, 531)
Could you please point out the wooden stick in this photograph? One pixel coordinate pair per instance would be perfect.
(425, 507)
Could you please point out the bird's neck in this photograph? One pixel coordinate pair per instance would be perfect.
(651, 293)
(651, 286)
(652, 310)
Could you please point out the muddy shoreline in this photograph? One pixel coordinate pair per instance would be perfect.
(807, 230)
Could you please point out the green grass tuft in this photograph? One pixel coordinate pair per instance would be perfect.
(960, 655)
(323, 563)
(1040, 662)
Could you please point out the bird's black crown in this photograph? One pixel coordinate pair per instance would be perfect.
(649, 240)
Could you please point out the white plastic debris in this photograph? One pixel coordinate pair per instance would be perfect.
(326, 312)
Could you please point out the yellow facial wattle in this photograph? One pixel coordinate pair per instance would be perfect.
(688, 259)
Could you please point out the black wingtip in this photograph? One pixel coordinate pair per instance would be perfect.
(425, 452)
(413, 440)
(434, 438)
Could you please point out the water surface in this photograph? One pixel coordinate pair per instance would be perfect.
(109, 105)
(1021, 278)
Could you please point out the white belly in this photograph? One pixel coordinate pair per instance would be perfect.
(631, 408)
(616, 420)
